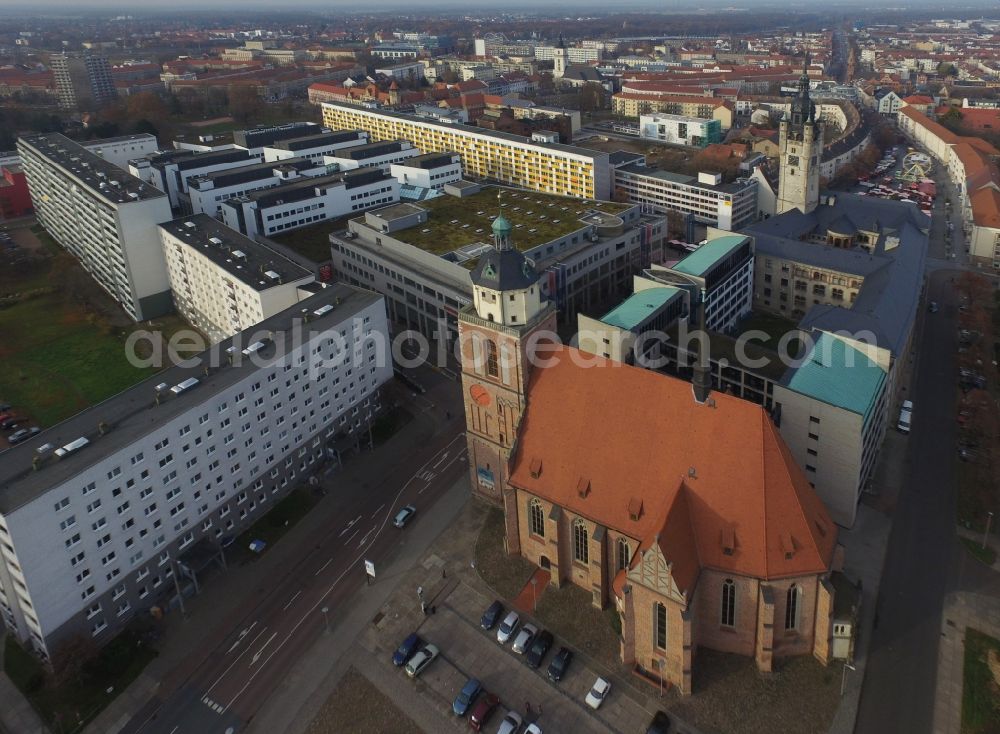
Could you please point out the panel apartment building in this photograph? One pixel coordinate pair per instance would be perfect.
(97, 512)
(224, 283)
(102, 215)
(552, 168)
(420, 256)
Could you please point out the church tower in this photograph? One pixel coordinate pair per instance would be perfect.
(560, 59)
(800, 145)
(493, 332)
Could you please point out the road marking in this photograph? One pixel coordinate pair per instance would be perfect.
(226, 671)
(366, 537)
(445, 456)
(260, 652)
(216, 707)
(243, 633)
(427, 475)
(350, 524)
(323, 567)
(351, 537)
(380, 508)
(174, 730)
(311, 612)
(294, 597)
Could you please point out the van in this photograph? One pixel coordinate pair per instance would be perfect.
(905, 415)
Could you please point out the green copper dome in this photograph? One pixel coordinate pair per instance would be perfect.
(501, 226)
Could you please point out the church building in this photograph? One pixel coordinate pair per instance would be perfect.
(681, 507)
(800, 147)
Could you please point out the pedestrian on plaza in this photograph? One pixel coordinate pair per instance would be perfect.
(527, 706)
(539, 707)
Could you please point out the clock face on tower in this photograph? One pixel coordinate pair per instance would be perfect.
(480, 395)
(793, 160)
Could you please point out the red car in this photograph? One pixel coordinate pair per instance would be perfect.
(483, 710)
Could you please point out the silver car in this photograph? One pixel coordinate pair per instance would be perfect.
(524, 638)
(421, 660)
(403, 516)
(511, 723)
(508, 627)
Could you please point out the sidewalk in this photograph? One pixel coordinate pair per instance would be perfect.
(16, 714)
(961, 610)
(992, 541)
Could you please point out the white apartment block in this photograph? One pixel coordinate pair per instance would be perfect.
(679, 130)
(514, 160)
(574, 54)
(300, 203)
(102, 215)
(410, 71)
(373, 155)
(170, 171)
(97, 512)
(121, 150)
(224, 283)
(729, 206)
(207, 192)
(430, 171)
(314, 147)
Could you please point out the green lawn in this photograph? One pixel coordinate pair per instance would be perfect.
(980, 700)
(57, 361)
(774, 326)
(986, 555)
(272, 526)
(505, 574)
(313, 241)
(79, 700)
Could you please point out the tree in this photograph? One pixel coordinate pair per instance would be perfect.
(591, 97)
(71, 658)
(946, 69)
(952, 119)
(244, 103)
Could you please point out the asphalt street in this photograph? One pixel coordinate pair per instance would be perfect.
(251, 653)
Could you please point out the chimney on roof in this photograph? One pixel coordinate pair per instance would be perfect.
(701, 380)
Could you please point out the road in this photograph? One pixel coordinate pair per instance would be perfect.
(924, 561)
(253, 652)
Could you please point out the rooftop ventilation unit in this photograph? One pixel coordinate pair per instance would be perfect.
(189, 225)
(71, 447)
(240, 254)
(184, 386)
(215, 240)
(323, 310)
(255, 347)
(272, 275)
(162, 386)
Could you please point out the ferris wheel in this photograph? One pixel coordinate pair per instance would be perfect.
(916, 166)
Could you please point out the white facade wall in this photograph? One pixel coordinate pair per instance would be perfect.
(313, 155)
(673, 128)
(381, 162)
(427, 178)
(120, 151)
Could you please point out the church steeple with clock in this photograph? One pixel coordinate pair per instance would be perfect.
(495, 332)
(800, 146)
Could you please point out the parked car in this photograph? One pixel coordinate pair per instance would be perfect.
(466, 696)
(491, 615)
(5, 416)
(933, 307)
(11, 422)
(511, 723)
(560, 664)
(539, 647)
(421, 660)
(660, 723)
(524, 638)
(406, 649)
(905, 415)
(403, 516)
(483, 710)
(508, 627)
(23, 435)
(532, 729)
(598, 693)
(4, 407)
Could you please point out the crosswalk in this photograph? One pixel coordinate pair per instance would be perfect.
(216, 707)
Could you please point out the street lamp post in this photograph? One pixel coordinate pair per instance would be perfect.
(326, 618)
(661, 664)
(534, 594)
(986, 535)
(843, 678)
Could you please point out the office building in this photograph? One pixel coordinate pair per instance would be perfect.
(255, 139)
(224, 283)
(207, 192)
(303, 202)
(98, 512)
(693, 132)
(705, 198)
(373, 155)
(420, 255)
(102, 215)
(314, 147)
(121, 150)
(551, 168)
(83, 81)
(428, 171)
(170, 171)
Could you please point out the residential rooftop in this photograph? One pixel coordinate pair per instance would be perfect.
(102, 177)
(258, 266)
(135, 412)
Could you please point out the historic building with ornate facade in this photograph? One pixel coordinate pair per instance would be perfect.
(682, 508)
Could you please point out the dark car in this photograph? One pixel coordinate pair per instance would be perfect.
(466, 697)
(406, 650)
(932, 307)
(11, 422)
(660, 724)
(23, 435)
(483, 710)
(538, 649)
(491, 615)
(560, 664)
(4, 407)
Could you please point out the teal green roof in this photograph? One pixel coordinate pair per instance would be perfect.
(638, 307)
(838, 374)
(701, 260)
(501, 225)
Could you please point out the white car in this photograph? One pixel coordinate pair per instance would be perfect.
(532, 729)
(905, 415)
(598, 693)
(508, 627)
(511, 723)
(524, 638)
(421, 660)
(403, 516)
